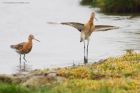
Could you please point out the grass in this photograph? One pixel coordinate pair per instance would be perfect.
(113, 75)
(115, 6)
(12, 88)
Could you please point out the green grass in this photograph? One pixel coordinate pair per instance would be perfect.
(12, 88)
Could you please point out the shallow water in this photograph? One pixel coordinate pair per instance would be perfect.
(59, 44)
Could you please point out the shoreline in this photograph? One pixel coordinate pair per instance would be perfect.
(120, 72)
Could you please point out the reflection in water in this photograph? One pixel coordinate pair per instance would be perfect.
(59, 44)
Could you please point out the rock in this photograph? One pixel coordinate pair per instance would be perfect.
(6, 78)
(51, 76)
(36, 81)
(43, 79)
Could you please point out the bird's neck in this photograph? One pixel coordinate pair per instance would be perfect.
(30, 41)
(91, 20)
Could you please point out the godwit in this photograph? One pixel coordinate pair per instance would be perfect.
(86, 30)
(24, 48)
(86, 33)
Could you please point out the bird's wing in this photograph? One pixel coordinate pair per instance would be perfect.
(79, 26)
(18, 46)
(104, 27)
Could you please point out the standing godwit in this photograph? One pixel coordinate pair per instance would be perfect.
(86, 30)
(86, 33)
(24, 48)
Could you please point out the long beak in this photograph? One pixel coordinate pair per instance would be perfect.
(36, 39)
(96, 19)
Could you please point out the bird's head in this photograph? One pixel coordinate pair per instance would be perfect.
(93, 16)
(32, 37)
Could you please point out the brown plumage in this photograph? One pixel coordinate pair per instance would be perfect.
(24, 47)
(88, 28)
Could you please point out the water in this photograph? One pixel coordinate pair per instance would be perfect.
(59, 44)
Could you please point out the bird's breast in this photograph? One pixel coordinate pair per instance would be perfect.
(26, 48)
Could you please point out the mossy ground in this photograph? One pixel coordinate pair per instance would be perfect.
(113, 75)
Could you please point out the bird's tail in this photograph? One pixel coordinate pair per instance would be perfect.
(12, 46)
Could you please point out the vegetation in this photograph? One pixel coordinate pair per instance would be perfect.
(86, 2)
(113, 75)
(12, 88)
(115, 6)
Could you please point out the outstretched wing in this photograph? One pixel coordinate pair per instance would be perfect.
(79, 26)
(105, 27)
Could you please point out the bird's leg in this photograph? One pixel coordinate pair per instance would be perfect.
(85, 59)
(87, 49)
(24, 66)
(24, 58)
(20, 62)
(24, 62)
